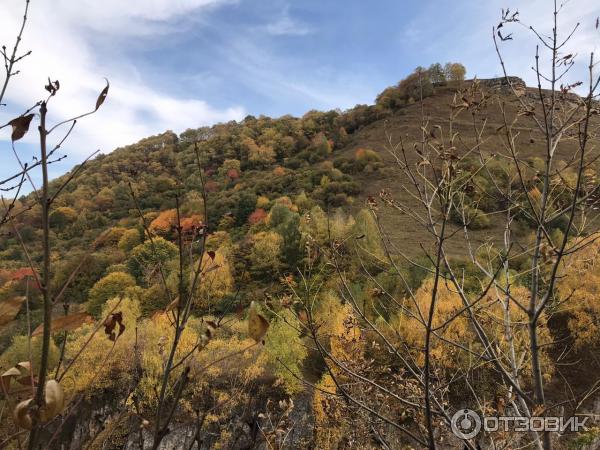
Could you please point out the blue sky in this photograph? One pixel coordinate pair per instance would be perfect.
(175, 64)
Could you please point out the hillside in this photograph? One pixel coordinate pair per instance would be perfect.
(269, 199)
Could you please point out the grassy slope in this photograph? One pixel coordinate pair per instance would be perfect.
(406, 124)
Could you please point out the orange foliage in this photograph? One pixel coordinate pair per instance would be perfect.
(211, 186)
(278, 171)
(233, 174)
(192, 223)
(21, 273)
(165, 220)
(258, 216)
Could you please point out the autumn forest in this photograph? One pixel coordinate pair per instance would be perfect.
(384, 276)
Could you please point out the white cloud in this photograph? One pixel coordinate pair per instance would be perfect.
(66, 40)
(287, 26)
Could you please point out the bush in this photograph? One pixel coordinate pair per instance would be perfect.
(408, 90)
(145, 257)
(110, 286)
(285, 351)
(130, 239)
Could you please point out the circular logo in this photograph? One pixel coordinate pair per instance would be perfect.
(466, 424)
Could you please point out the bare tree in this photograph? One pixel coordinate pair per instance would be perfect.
(499, 327)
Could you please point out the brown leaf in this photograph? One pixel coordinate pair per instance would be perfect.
(65, 323)
(111, 322)
(102, 96)
(173, 305)
(25, 365)
(211, 324)
(9, 308)
(302, 316)
(20, 126)
(7, 376)
(257, 325)
(211, 255)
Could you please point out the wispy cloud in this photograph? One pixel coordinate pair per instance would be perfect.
(287, 26)
(68, 46)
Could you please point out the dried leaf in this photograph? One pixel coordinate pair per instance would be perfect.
(21, 414)
(55, 400)
(211, 255)
(65, 323)
(25, 365)
(111, 322)
(9, 309)
(102, 96)
(7, 376)
(173, 305)
(12, 372)
(257, 325)
(20, 126)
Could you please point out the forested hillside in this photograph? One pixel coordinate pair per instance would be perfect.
(317, 267)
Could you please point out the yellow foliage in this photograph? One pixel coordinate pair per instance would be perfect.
(100, 365)
(452, 324)
(579, 281)
(217, 281)
(155, 337)
(329, 428)
(262, 202)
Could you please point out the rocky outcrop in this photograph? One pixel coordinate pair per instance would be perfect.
(503, 85)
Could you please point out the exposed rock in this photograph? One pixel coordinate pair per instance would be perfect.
(503, 85)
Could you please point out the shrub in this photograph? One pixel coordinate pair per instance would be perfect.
(145, 257)
(110, 286)
(285, 351)
(129, 239)
(366, 155)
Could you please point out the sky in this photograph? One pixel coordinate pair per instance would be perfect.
(178, 64)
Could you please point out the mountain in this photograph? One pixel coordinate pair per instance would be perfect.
(271, 199)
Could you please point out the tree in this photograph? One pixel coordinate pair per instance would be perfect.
(130, 239)
(164, 222)
(455, 71)
(265, 257)
(258, 216)
(111, 286)
(62, 216)
(285, 350)
(150, 257)
(437, 74)
(411, 89)
(258, 155)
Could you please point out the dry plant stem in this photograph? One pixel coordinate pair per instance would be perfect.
(45, 287)
(10, 61)
(183, 311)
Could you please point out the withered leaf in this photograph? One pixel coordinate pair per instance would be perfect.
(111, 322)
(211, 255)
(65, 323)
(257, 325)
(102, 96)
(9, 308)
(20, 126)
(173, 305)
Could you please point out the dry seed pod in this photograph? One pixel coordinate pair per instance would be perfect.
(21, 414)
(55, 400)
